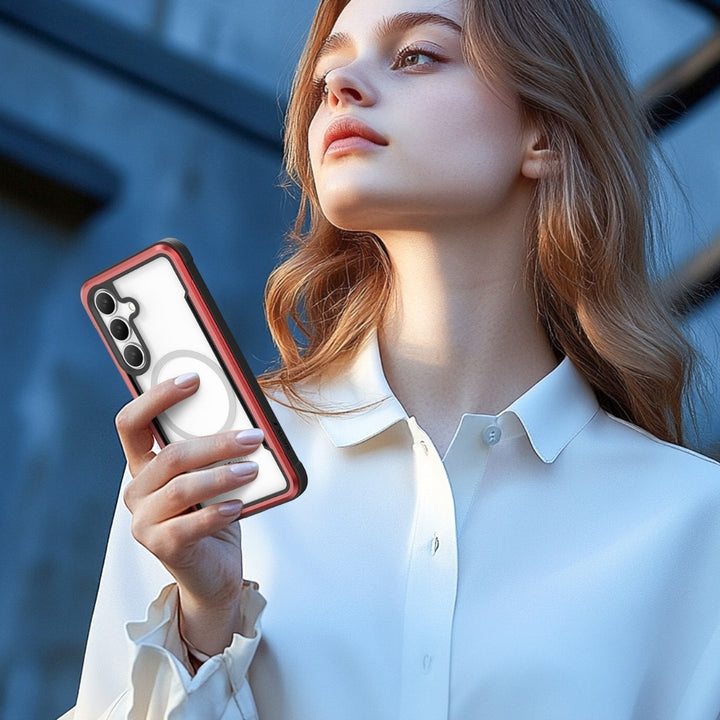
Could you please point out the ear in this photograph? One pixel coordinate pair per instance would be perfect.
(539, 160)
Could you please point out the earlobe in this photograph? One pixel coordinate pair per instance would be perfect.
(539, 159)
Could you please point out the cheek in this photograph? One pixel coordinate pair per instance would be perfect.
(475, 135)
(469, 110)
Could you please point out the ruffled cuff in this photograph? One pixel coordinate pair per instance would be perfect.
(161, 681)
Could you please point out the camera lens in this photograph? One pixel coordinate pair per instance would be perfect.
(133, 356)
(119, 329)
(104, 303)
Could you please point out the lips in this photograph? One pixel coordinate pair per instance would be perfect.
(348, 133)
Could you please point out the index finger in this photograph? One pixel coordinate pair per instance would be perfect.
(134, 421)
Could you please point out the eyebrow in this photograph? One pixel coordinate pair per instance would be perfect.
(397, 24)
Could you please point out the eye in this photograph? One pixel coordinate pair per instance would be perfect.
(413, 56)
(320, 88)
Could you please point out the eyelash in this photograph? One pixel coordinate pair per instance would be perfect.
(320, 87)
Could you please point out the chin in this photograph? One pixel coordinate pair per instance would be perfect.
(347, 222)
(352, 214)
(371, 207)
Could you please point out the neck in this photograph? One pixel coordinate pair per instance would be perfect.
(462, 335)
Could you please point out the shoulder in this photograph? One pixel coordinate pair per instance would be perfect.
(646, 454)
(634, 481)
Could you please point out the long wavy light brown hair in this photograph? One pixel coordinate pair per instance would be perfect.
(587, 232)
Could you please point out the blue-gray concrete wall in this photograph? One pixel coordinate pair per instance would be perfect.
(180, 175)
(184, 176)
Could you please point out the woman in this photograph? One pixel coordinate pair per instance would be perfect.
(496, 523)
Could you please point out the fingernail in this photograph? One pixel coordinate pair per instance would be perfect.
(250, 437)
(231, 508)
(186, 380)
(244, 468)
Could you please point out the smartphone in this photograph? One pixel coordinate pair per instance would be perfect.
(158, 320)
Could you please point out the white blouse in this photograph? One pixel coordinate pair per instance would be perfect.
(556, 564)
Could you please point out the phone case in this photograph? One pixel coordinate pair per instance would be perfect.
(158, 320)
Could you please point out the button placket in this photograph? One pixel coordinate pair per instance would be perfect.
(431, 587)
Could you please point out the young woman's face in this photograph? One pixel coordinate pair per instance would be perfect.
(406, 134)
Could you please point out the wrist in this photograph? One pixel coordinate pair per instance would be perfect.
(206, 629)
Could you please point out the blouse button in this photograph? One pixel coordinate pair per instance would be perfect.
(435, 545)
(491, 434)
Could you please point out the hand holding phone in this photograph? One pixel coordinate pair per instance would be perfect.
(201, 549)
(159, 321)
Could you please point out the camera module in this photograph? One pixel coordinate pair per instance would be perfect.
(133, 356)
(119, 329)
(105, 303)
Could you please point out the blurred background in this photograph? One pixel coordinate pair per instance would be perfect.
(122, 123)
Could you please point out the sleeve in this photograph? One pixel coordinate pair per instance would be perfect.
(139, 670)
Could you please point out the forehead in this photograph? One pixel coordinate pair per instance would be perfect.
(359, 14)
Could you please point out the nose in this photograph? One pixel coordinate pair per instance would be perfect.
(345, 86)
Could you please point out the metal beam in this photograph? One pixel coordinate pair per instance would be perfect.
(140, 59)
(57, 160)
(684, 84)
(59, 180)
(696, 281)
(667, 98)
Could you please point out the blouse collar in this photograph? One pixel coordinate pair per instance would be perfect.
(362, 405)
